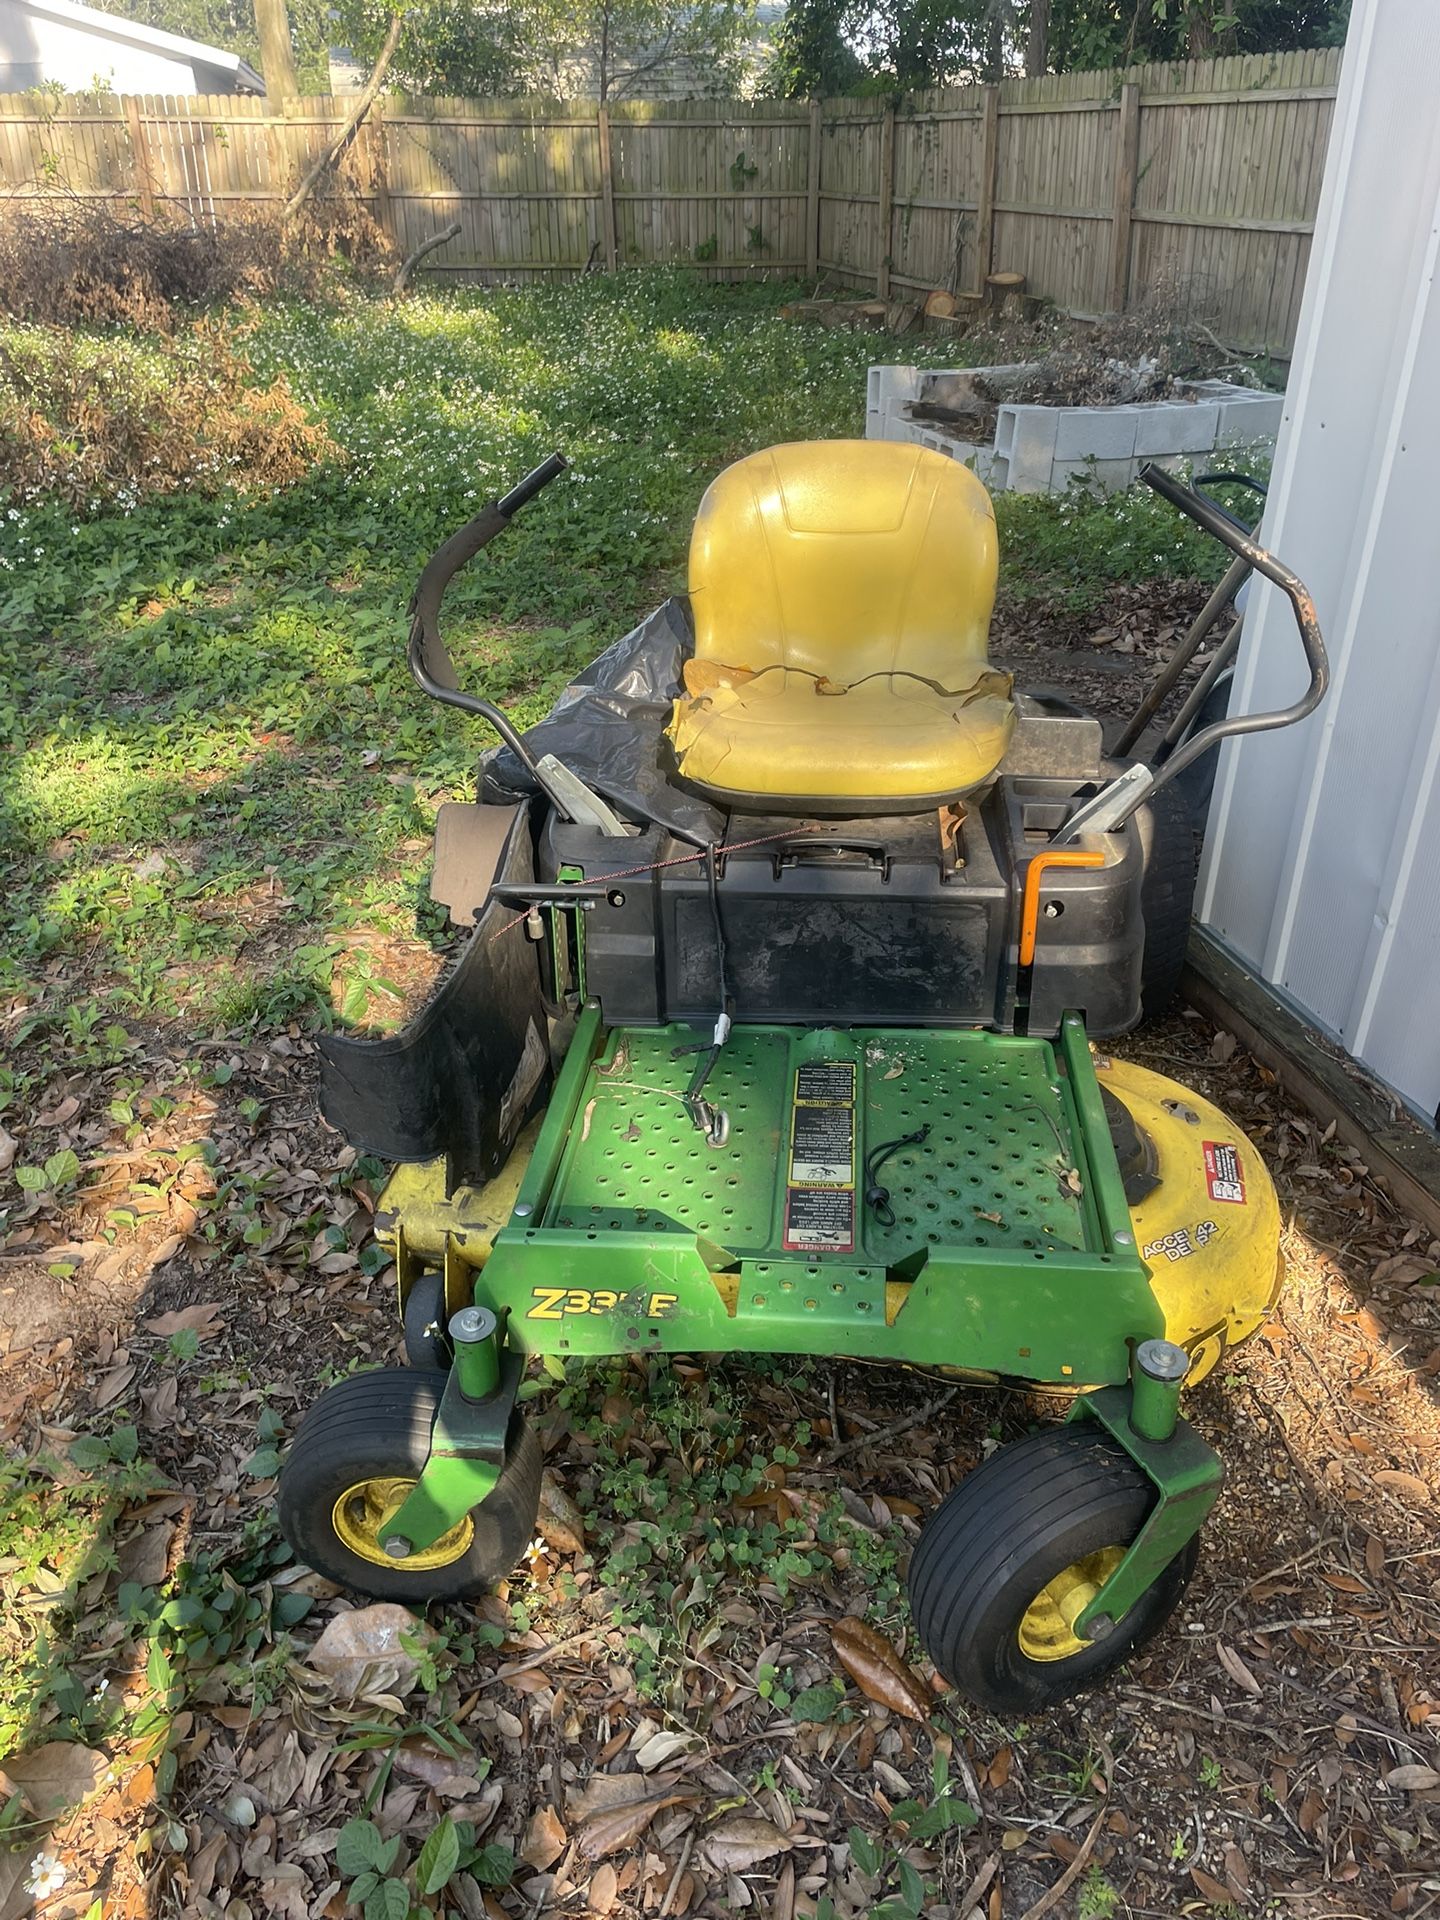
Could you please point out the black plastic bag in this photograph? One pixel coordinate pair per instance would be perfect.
(608, 726)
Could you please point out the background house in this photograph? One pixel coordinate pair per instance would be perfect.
(60, 43)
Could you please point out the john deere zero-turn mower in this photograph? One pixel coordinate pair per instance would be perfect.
(797, 934)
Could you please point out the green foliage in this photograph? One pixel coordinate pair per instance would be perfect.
(386, 1885)
(1098, 1899)
(851, 46)
(942, 1813)
(607, 48)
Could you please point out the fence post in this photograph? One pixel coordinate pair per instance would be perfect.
(608, 235)
(989, 165)
(812, 198)
(887, 201)
(1127, 166)
(143, 179)
(380, 171)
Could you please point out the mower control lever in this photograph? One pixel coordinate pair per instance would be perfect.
(1115, 802)
(428, 658)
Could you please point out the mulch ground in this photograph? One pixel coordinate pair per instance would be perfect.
(1275, 1751)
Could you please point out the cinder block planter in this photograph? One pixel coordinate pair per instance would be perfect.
(1041, 449)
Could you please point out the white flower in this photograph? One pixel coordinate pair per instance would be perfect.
(46, 1876)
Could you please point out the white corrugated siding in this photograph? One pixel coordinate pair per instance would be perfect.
(1322, 867)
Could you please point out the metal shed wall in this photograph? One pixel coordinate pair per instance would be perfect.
(1322, 865)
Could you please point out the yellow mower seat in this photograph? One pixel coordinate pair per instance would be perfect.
(842, 592)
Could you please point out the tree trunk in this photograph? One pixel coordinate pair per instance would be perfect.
(343, 139)
(277, 61)
(603, 76)
(1037, 45)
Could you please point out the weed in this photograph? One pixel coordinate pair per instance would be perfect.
(1098, 1899)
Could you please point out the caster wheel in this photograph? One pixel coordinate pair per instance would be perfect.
(358, 1453)
(1011, 1557)
(427, 1344)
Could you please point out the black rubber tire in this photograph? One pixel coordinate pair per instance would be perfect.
(375, 1425)
(427, 1344)
(1167, 898)
(1012, 1525)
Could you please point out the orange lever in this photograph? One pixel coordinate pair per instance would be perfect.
(1034, 874)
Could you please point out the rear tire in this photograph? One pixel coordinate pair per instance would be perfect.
(1167, 898)
(374, 1428)
(1035, 1516)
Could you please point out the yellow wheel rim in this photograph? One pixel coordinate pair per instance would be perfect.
(1047, 1627)
(362, 1512)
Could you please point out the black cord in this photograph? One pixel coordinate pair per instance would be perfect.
(877, 1197)
(712, 1124)
(712, 886)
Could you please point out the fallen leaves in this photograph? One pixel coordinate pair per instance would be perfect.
(56, 1777)
(1408, 1487)
(202, 1321)
(1237, 1669)
(877, 1669)
(364, 1650)
(614, 1809)
(545, 1839)
(740, 1843)
(1413, 1779)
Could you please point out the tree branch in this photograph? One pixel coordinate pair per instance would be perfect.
(342, 141)
(402, 278)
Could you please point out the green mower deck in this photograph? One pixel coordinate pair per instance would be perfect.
(1010, 1251)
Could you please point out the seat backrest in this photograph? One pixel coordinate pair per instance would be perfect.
(845, 558)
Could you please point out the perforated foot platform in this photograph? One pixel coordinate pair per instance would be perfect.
(808, 1110)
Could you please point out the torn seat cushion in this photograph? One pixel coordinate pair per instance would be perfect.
(842, 593)
(893, 739)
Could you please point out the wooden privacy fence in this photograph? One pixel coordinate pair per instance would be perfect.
(1194, 184)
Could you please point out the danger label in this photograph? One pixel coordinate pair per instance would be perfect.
(820, 1219)
(1224, 1176)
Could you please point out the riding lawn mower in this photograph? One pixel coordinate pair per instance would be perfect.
(796, 938)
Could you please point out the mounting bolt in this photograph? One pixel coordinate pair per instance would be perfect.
(397, 1547)
(524, 1210)
(472, 1323)
(1124, 1239)
(1101, 1627)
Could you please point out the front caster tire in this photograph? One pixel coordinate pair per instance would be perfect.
(427, 1344)
(1015, 1552)
(358, 1453)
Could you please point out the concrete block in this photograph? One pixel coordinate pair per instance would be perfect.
(1106, 433)
(1174, 426)
(1248, 423)
(1026, 435)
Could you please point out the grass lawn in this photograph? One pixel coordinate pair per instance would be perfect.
(217, 785)
(216, 770)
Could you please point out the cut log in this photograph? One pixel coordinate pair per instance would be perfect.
(941, 305)
(1003, 290)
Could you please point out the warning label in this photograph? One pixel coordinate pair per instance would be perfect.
(820, 1218)
(820, 1194)
(1224, 1176)
(822, 1147)
(826, 1081)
